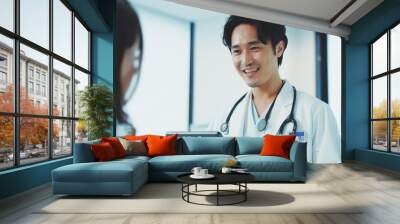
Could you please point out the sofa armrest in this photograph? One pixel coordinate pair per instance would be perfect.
(298, 155)
(83, 152)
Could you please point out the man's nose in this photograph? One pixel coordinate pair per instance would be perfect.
(247, 58)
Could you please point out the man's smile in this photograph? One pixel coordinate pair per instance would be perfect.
(250, 72)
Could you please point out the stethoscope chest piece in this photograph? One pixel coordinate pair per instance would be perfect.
(261, 125)
(224, 128)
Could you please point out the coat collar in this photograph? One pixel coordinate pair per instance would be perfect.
(284, 98)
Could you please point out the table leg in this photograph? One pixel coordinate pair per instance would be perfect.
(245, 191)
(217, 194)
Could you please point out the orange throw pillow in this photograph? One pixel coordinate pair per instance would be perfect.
(161, 145)
(116, 145)
(277, 145)
(103, 152)
(135, 138)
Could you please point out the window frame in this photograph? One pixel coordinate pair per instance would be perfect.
(16, 114)
(388, 74)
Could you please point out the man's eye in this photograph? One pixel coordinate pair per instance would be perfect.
(235, 52)
(254, 48)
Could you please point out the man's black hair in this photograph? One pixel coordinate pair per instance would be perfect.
(265, 32)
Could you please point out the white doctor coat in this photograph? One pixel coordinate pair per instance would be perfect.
(314, 117)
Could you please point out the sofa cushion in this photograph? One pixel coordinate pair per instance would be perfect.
(103, 152)
(277, 145)
(116, 145)
(111, 171)
(257, 163)
(206, 145)
(134, 147)
(249, 145)
(161, 145)
(185, 163)
(83, 152)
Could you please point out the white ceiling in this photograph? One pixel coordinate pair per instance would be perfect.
(314, 15)
(176, 10)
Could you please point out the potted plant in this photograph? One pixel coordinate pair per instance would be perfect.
(96, 103)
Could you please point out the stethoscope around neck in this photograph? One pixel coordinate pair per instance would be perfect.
(262, 124)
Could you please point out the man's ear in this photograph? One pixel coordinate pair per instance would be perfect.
(280, 48)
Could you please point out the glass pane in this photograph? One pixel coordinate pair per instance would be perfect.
(81, 131)
(33, 139)
(81, 81)
(395, 47)
(81, 45)
(62, 29)
(62, 141)
(379, 135)
(395, 136)
(62, 89)
(34, 94)
(7, 14)
(6, 142)
(6, 74)
(379, 98)
(379, 55)
(35, 21)
(395, 94)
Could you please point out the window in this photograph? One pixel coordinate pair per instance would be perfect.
(30, 87)
(3, 78)
(38, 89)
(6, 73)
(3, 61)
(3, 72)
(54, 125)
(44, 91)
(7, 14)
(385, 97)
(30, 72)
(37, 75)
(81, 45)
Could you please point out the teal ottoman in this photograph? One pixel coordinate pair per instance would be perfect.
(118, 177)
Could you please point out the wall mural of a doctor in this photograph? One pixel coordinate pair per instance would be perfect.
(272, 105)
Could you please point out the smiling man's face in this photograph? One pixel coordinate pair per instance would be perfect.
(255, 61)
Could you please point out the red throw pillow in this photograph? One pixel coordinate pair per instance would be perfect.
(277, 145)
(116, 145)
(103, 151)
(161, 145)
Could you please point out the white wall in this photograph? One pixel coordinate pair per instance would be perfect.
(215, 79)
(161, 102)
(335, 77)
(299, 61)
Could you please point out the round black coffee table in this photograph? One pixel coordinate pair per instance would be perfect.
(238, 179)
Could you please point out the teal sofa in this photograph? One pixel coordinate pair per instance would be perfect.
(125, 176)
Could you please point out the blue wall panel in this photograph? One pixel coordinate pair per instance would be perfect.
(102, 58)
(24, 178)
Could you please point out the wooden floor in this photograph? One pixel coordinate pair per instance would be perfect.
(377, 188)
